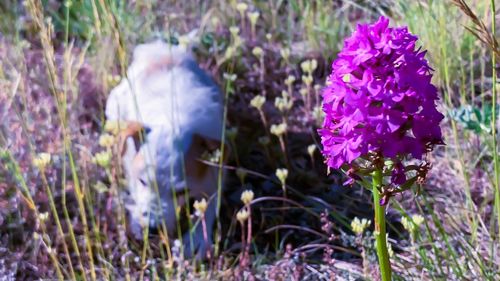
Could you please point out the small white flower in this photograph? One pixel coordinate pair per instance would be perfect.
(242, 216)
(42, 160)
(247, 197)
(257, 51)
(358, 226)
(282, 174)
(258, 101)
(278, 129)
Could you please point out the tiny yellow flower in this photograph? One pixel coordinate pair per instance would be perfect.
(234, 31)
(230, 77)
(303, 92)
(417, 219)
(247, 197)
(278, 129)
(214, 156)
(257, 51)
(289, 80)
(184, 41)
(308, 79)
(42, 160)
(309, 65)
(306, 66)
(215, 21)
(318, 113)
(282, 174)
(200, 206)
(43, 216)
(113, 80)
(346, 78)
(230, 51)
(102, 158)
(106, 140)
(258, 102)
(311, 149)
(359, 226)
(242, 216)
(114, 126)
(269, 36)
(407, 224)
(241, 7)
(283, 104)
(285, 53)
(314, 65)
(411, 224)
(253, 16)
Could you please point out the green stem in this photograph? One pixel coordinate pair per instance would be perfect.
(380, 232)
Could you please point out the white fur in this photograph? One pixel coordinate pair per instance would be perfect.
(175, 102)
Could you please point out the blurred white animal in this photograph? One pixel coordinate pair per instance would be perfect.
(180, 108)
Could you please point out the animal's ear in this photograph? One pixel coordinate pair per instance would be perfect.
(137, 131)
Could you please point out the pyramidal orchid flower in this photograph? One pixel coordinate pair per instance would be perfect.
(380, 112)
(380, 99)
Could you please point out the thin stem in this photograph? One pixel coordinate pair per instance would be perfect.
(494, 118)
(380, 232)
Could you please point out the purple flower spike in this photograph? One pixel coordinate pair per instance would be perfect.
(380, 99)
